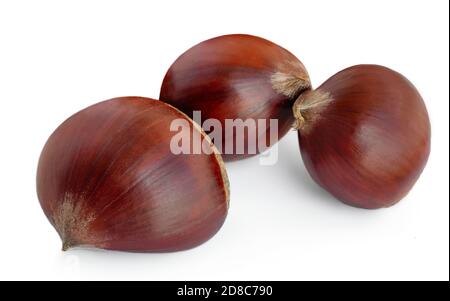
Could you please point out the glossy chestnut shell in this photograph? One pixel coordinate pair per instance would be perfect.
(237, 77)
(108, 179)
(364, 135)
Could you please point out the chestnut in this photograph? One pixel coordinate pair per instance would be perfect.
(107, 178)
(364, 135)
(238, 77)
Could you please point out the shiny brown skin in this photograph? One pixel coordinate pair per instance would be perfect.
(107, 179)
(237, 77)
(370, 143)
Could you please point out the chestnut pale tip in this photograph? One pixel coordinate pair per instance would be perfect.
(66, 246)
(307, 101)
(289, 85)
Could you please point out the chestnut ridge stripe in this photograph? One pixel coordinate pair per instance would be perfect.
(223, 170)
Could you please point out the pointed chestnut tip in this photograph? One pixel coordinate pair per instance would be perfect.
(66, 246)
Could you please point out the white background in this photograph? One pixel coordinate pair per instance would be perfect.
(57, 57)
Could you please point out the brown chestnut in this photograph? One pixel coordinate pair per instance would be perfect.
(364, 135)
(238, 77)
(107, 178)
